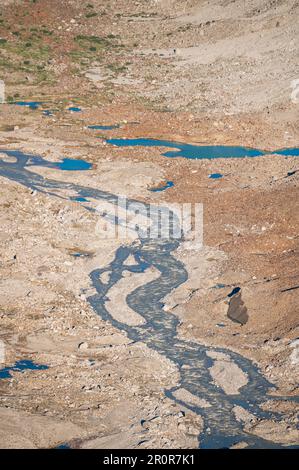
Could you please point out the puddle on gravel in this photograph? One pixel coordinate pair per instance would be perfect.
(20, 366)
(234, 291)
(162, 187)
(104, 128)
(81, 254)
(74, 109)
(28, 104)
(215, 176)
(79, 199)
(200, 151)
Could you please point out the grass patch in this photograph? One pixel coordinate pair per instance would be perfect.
(86, 40)
(92, 47)
(115, 68)
(25, 58)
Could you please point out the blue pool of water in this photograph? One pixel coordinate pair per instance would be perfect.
(20, 366)
(67, 164)
(234, 291)
(79, 199)
(215, 176)
(200, 151)
(74, 109)
(104, 128)
(28, 104)
(291, 152)
(168, 184)
(70, 164)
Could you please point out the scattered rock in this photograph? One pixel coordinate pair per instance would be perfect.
(227, 375)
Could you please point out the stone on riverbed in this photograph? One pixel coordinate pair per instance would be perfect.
(227, 375)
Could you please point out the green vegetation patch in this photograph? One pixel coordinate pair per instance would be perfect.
(92, 47)
(87, 41)
(25, 56)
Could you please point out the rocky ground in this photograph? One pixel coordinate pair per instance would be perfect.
(215, 72)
